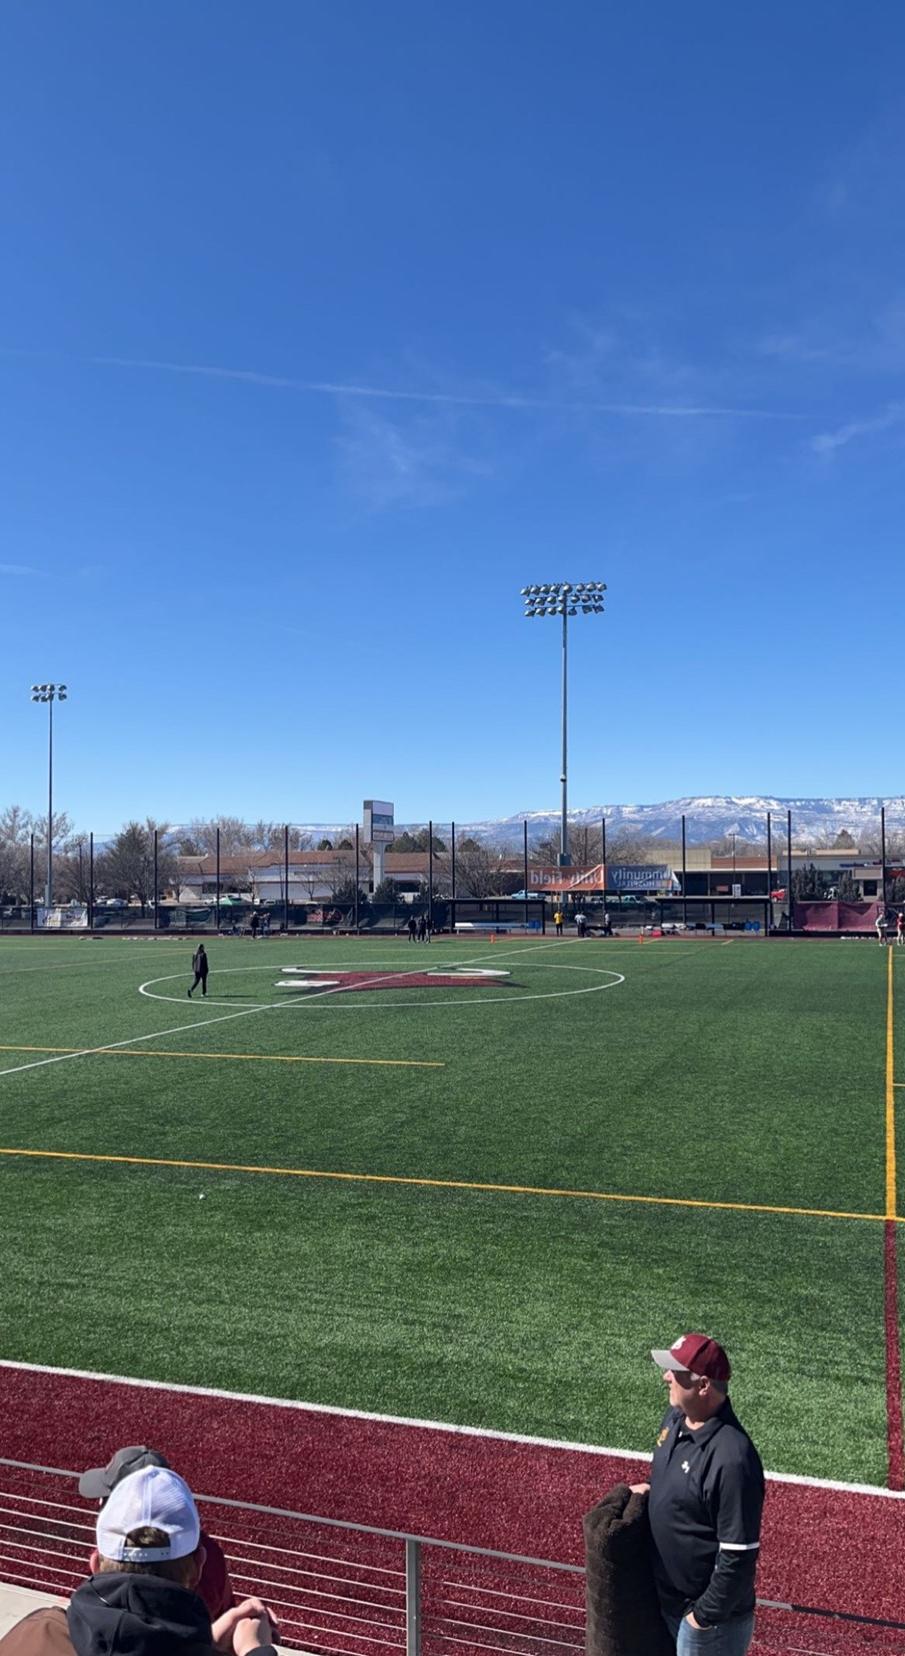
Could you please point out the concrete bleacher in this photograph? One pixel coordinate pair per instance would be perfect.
(16, 1602)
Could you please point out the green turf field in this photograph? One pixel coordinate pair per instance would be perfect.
(700, 1072)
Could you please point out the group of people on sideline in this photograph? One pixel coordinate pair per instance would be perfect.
(671, 1561)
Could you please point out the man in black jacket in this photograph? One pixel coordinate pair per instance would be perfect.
(706, 1498)
(141, 1599)
(200, 968)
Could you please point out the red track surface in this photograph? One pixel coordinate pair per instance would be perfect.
(821, 1547)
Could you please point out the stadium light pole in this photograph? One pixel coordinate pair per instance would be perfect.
(564, 599)
(49, 693)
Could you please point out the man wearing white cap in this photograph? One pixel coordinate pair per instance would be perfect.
(141, 1598)
(706, 1496)
(98, 1484)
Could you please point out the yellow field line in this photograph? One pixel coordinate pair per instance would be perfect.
(444, 1184)
(244, 1057)
(891, 1191)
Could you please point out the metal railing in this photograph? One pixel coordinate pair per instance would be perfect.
(346, 1589)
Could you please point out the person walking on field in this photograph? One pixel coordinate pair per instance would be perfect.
(200, 968)
(900, 927)
(412, 928)
(880, 924)
(254, 923)
(557, 921)
(422, 930)
(705, 1500)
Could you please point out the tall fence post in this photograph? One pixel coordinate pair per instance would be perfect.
(31, 883)
(769, 908)
(156, 892)
(789, 852)
(286, 878)
(883, 855)
(81, 876)
(603, 861)
(356, 876)
(91, 882)
(430, 877)
(217, 879)
(525, 850)
(684, 877)
(412, 1598)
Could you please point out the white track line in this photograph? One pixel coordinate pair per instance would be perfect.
(298, 1406)
(247, 1012)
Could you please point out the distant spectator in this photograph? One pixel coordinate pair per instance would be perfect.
(141, 1598)
(581, 923)
(422, 930)
(900, 926)
(200, 968)
(880, 925)
(557, 921)
(254, 923)
(706, 1495)
(412, 928)
(98, 1484)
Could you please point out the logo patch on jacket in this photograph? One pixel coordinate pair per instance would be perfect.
(662, 1438)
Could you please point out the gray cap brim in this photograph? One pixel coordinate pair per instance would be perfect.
(667, 1360)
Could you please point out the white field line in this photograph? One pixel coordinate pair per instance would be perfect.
(359, 1003)
(227, 1017)
(419, 1425)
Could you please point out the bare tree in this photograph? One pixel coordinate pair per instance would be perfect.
(126, 868)
(479, 870)
(199, 838)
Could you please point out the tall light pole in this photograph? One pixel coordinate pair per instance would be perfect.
(49, 693)
(562, 598)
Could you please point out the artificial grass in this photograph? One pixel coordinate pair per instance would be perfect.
(526, 1314)
(750, 1073)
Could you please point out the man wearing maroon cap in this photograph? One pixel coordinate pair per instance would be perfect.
(706, 1494)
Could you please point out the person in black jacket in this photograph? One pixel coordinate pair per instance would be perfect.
(141, 1599)
(200, 968)
(706, 1496)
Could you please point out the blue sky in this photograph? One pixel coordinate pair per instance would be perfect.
(325, 327)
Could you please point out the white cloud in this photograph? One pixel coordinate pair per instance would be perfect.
(828, 442)
(420, 463)
(20, 569)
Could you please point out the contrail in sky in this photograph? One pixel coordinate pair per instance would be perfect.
(503, 400)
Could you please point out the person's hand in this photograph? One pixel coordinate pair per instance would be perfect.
(640, 1489)
(693, 1622)
(252, 1633)
(245, 1627)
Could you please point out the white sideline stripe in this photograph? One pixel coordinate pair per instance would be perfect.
(419, 1425)
(247, 1012)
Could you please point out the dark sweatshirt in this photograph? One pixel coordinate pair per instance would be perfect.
(117, 1615)
(138, 1615)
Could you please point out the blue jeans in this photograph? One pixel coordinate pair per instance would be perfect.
(730, 1638)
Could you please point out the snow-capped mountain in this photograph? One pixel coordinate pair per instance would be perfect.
(707, 818)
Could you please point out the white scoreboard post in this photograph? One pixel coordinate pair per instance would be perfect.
(379, 832)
